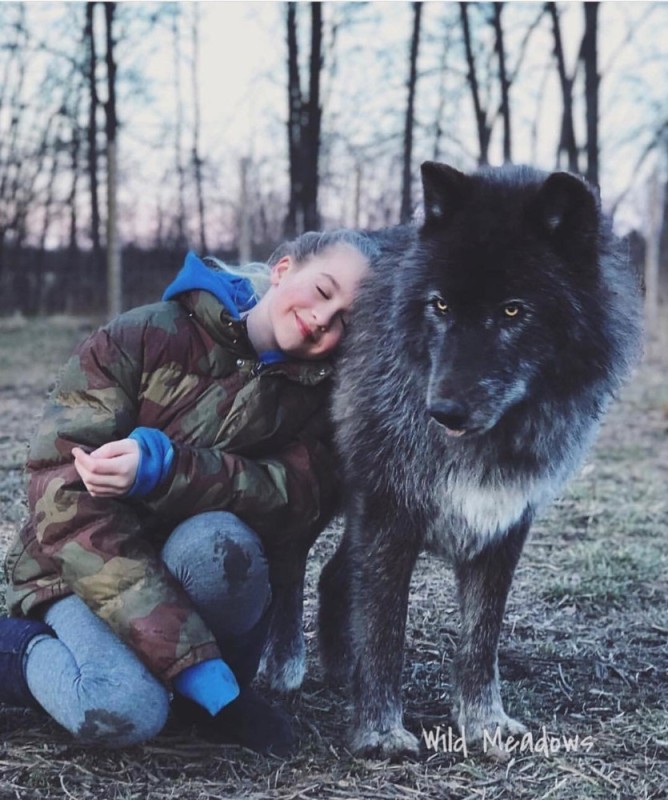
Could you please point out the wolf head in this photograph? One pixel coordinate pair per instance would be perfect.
(509, 292)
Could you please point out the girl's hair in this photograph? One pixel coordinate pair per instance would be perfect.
(302, 248)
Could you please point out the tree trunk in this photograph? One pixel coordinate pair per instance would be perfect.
(294, 223)
(357, 199)
(663, 237)
(71, 287)
(196, 158)
(181, 238)
(114, 268)
(245, 254)
(96, 278)
(38, 295)
(655, 203)
(407, 172)
(567, 144)
(313, 118)
(482, 126)
(304, 124)
(590, 59)
(11, 163)
(505, 83)
(442, 88)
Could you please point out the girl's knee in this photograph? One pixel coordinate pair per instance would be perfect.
(209, 532)
(221, 564)
(216, 545)
(125, 720)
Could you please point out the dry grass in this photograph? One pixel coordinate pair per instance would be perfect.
(584, 651)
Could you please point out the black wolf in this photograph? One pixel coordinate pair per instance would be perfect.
(483, 352)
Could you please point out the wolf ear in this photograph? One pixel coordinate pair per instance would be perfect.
(444, 190)
(568, 210)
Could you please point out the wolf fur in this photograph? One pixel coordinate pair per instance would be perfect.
(482, 354)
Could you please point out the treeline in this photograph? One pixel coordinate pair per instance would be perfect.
(101, 155)
(57, 281)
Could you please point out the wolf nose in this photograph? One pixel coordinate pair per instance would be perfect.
(450, 413)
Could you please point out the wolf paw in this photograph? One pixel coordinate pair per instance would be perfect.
(490, 729)
(284, 673)
(393, 744)
(479, 729)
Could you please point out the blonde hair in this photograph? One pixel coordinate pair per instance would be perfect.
(301, 249)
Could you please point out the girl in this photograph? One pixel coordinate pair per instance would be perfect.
(184, 448)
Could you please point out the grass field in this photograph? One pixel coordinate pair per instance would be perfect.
(583, 657)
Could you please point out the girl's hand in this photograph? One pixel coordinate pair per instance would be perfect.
(110, 470)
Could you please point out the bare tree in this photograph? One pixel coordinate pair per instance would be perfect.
(567, 143)
(440, 108)
(114, 268)
(295, 220)
(196, 157)
(589, 55)
(72, 203)
(482, 125)
(38, 295)
(653, 229)
(93, 155)
(244, 216)
(181, 237)
(304, 123)
(407, 172)
(11, 103)
(504, 80)
(312, 217)
(28, 165)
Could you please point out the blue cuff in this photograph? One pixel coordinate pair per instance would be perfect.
(155, 458)
(211, 684)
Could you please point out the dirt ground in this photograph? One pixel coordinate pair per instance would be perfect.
(583, 657)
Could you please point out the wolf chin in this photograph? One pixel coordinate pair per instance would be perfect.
(482, 354)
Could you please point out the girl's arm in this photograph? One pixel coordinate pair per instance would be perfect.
(293, 489)
(97, 544)
(289, 491)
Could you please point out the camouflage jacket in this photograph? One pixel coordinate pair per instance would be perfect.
(249, 438)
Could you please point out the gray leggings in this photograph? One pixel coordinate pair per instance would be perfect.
(97, 688)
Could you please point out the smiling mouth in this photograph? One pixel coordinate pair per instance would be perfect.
(305, 331)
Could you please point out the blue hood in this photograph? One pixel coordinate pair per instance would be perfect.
(234, 292)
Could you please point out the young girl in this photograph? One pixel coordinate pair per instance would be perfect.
(185, 444)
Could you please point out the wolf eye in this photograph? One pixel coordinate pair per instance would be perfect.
(512, 310)
(440, 305)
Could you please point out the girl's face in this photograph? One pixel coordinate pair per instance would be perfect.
(310, 301)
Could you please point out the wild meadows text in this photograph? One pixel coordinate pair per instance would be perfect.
(445, 740)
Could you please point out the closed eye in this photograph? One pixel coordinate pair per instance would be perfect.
(323, 293)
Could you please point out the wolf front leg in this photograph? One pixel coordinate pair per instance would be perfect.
(381, 558)
(334, 633)
(283, 661)
(483, 584)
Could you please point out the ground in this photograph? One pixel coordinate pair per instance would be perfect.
(583, 657)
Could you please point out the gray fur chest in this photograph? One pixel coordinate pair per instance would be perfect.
(472, 513)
